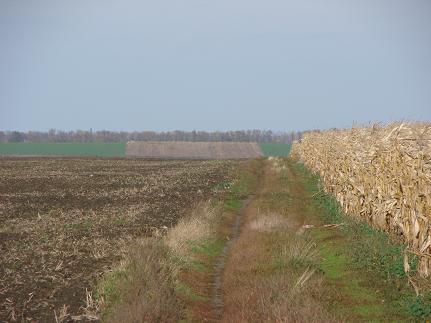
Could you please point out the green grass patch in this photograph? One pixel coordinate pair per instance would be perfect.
(242, 187)
(335, 265)
(273, 149)
(187, 291)
(223, 186)
(84, 225)
(419, 306)
(277, 201)
(233, 204)
(371, 249)
(109, 287)
(209, 247)
(357, 247)
(99, 149)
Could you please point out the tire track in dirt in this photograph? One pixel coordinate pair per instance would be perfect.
(218, 290)
(217, 303)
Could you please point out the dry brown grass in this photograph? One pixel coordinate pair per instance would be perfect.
(199, 225)
(271, 278)
(143, 288)
(270, 275)
(277, 164)
(268, 222)
(381, 174)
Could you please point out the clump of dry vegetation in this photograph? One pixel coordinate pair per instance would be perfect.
(197, 226)
(144, 287)
(381, 174)
(297, 291)
(277, 163)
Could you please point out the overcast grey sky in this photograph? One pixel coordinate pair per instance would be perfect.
(213, 65)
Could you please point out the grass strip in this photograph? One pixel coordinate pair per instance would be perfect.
(272, 274)
(373, 253)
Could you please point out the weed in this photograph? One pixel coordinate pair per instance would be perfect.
(84, 225)
(419, 306)
(223, 186)
(208, 247)
(108, 289)
(120, 221)
(233, 204)
(186, 290)
(44, 238)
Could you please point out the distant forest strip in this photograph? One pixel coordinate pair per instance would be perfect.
(53, 135)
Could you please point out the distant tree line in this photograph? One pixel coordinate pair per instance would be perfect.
(54, 135)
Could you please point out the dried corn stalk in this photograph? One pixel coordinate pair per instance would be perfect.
(379, 173)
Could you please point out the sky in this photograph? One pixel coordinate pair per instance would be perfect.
(213, 65)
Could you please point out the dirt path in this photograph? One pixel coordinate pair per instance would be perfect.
(258, 281)
(276, 270)
(217, 300)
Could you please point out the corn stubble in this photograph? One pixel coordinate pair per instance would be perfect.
(67, 222)
(381, 174)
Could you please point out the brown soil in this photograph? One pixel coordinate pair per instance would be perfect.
(65, 221)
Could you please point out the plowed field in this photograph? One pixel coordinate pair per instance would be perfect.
(64, 221)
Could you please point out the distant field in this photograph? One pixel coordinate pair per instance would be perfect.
(275, 149)
(101, 149)
(64, 149)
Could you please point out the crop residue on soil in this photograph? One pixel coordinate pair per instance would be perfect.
(66, 221)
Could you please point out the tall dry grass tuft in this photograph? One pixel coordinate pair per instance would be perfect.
(143, 290)
(381, 174)
(298, 289)
(197, 226)
(277, 163)
(269, 221)
(143, 287)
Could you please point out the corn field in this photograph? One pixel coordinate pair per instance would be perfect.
(381, 174)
